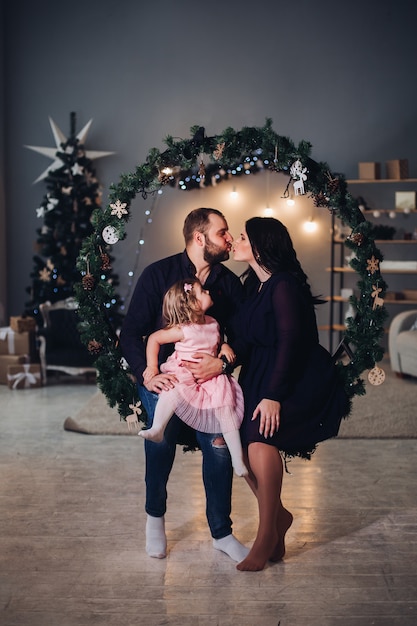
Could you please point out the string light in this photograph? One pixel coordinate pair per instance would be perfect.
(310, 226)
(267, 211)
(234, 193)
(290, 201)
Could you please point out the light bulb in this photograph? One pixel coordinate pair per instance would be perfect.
(290, 201)
(268, 211)
(310, 226)
(233, 193)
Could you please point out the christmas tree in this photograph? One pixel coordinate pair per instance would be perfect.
(73, 192)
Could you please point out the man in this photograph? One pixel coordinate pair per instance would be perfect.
(207, 244)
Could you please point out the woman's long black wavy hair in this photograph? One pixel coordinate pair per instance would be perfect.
(274, 251)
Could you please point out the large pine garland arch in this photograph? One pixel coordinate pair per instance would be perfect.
(229, 151)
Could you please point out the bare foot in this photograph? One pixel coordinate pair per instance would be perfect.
(258, 556)
(285, 520)
(152, 434)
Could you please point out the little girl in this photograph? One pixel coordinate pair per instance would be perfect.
(213, 406)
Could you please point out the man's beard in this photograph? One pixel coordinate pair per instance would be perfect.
(213, 254)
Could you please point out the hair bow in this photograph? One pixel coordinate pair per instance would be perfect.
(187, 287)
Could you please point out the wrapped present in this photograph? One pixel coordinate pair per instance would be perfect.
(23, 324)
(25, 376)
(12, 342)
(10, 359)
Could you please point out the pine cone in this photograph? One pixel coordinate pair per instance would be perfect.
(94, 347)
(357, 238)
(163, 178)
(320, 200)
(105, 261)
(274, 167)
(333, 185)
(88, 282)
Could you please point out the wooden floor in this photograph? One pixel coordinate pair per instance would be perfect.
(72, 532)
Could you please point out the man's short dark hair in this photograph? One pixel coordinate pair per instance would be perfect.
(198, 221)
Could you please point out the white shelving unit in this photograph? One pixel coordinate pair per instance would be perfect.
(340, 273)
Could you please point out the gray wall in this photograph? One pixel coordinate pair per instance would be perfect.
(340, 75)
(3, 238)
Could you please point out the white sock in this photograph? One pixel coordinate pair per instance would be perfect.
(156, 541)
(232, 547)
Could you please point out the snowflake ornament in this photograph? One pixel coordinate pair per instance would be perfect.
(218, 152)
(89, 178)
(119, 209)
(52, 203)
(372, 265)
(45, 275)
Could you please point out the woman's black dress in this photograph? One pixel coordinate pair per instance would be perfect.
(283, 360)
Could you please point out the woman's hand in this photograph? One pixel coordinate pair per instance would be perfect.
(161, 382)
(268, 412)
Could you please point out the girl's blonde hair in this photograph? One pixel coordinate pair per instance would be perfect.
(180, 304)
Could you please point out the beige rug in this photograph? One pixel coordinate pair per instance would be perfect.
(386, 411)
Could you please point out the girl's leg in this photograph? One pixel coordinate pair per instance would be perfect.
(163, 412)
(265, 480)
(232, 439)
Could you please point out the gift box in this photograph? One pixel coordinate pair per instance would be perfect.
(405, 200)
(24, 376)
(12, 342)
(369, 171)
(23, 324)
(397, 169)
(10, 359)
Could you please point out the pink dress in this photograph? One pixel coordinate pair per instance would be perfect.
(215, 406)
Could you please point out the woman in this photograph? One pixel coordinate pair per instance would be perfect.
(293, 395)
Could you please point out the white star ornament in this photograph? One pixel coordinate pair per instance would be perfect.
(60, 139)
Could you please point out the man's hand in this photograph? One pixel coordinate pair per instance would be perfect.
(161, 382)
(205, 368)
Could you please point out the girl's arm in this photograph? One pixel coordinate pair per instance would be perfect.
(226, 350)
(155, 341)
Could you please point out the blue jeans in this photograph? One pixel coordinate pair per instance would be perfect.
(217, 471)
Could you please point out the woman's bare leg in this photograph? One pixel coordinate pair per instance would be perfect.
(265, 480)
